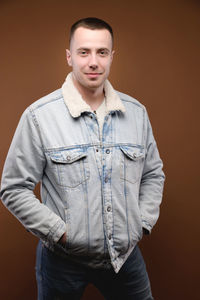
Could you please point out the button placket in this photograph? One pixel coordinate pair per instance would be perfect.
(93, 127)
(108, 216)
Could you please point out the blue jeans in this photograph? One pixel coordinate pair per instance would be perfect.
(61, 279)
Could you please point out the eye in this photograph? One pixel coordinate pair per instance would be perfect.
(82, 52)
(103, 52)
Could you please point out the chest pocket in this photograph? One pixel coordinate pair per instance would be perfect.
(132, 160)
(71, 167)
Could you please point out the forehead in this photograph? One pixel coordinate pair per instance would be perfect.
(89, 38)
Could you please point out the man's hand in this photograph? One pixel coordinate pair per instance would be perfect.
(63, 239)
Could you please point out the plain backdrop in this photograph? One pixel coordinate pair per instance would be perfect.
(157, 61)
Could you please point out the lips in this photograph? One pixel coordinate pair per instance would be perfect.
(92, 75)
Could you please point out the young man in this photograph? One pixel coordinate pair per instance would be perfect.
(101, 177)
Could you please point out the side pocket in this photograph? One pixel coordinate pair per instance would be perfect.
(67, 221)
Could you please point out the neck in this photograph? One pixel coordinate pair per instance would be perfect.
(93, 97)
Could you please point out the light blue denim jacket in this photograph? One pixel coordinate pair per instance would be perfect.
(100, 192)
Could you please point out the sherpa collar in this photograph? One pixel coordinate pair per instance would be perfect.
(77, 105)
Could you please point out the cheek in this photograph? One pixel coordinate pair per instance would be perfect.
(107, 65)
(78, 63)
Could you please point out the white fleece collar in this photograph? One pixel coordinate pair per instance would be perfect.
(77, 105)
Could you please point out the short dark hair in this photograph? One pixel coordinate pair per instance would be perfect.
(90, 23)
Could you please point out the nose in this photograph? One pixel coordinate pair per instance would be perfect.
(93, 63)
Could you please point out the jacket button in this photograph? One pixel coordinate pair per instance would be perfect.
(107, 151)
(68, 158)
(109, 236)
(106, 179)
(109, 208)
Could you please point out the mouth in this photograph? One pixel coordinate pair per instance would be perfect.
(93, 75)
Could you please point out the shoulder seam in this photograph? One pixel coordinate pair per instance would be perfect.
(52, 97)
(127, 98)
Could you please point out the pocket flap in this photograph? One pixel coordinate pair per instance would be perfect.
(67, 157)
(134, 153)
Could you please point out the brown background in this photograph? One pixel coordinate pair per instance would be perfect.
(157, 61)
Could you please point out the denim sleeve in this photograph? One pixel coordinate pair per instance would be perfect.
(23, 169)
(152, 182)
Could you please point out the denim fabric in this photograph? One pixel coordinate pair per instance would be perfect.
(101, 192)
(59, 278)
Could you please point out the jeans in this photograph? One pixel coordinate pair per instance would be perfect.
(59, 278)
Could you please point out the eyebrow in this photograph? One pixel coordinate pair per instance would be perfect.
(88, 49)
(105, 49)
(82, 48)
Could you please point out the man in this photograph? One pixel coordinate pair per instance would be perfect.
(101, 177)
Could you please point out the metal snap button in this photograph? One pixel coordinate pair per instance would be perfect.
(106, 179)
(109, 208)
(107, 151)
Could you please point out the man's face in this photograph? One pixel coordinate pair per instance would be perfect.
(90, 57)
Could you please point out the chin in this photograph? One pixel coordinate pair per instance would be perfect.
(94, 85)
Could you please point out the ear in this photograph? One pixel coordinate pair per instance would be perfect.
(69, 58)
(112, 54)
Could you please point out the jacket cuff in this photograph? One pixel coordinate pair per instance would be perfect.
(56, 231)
